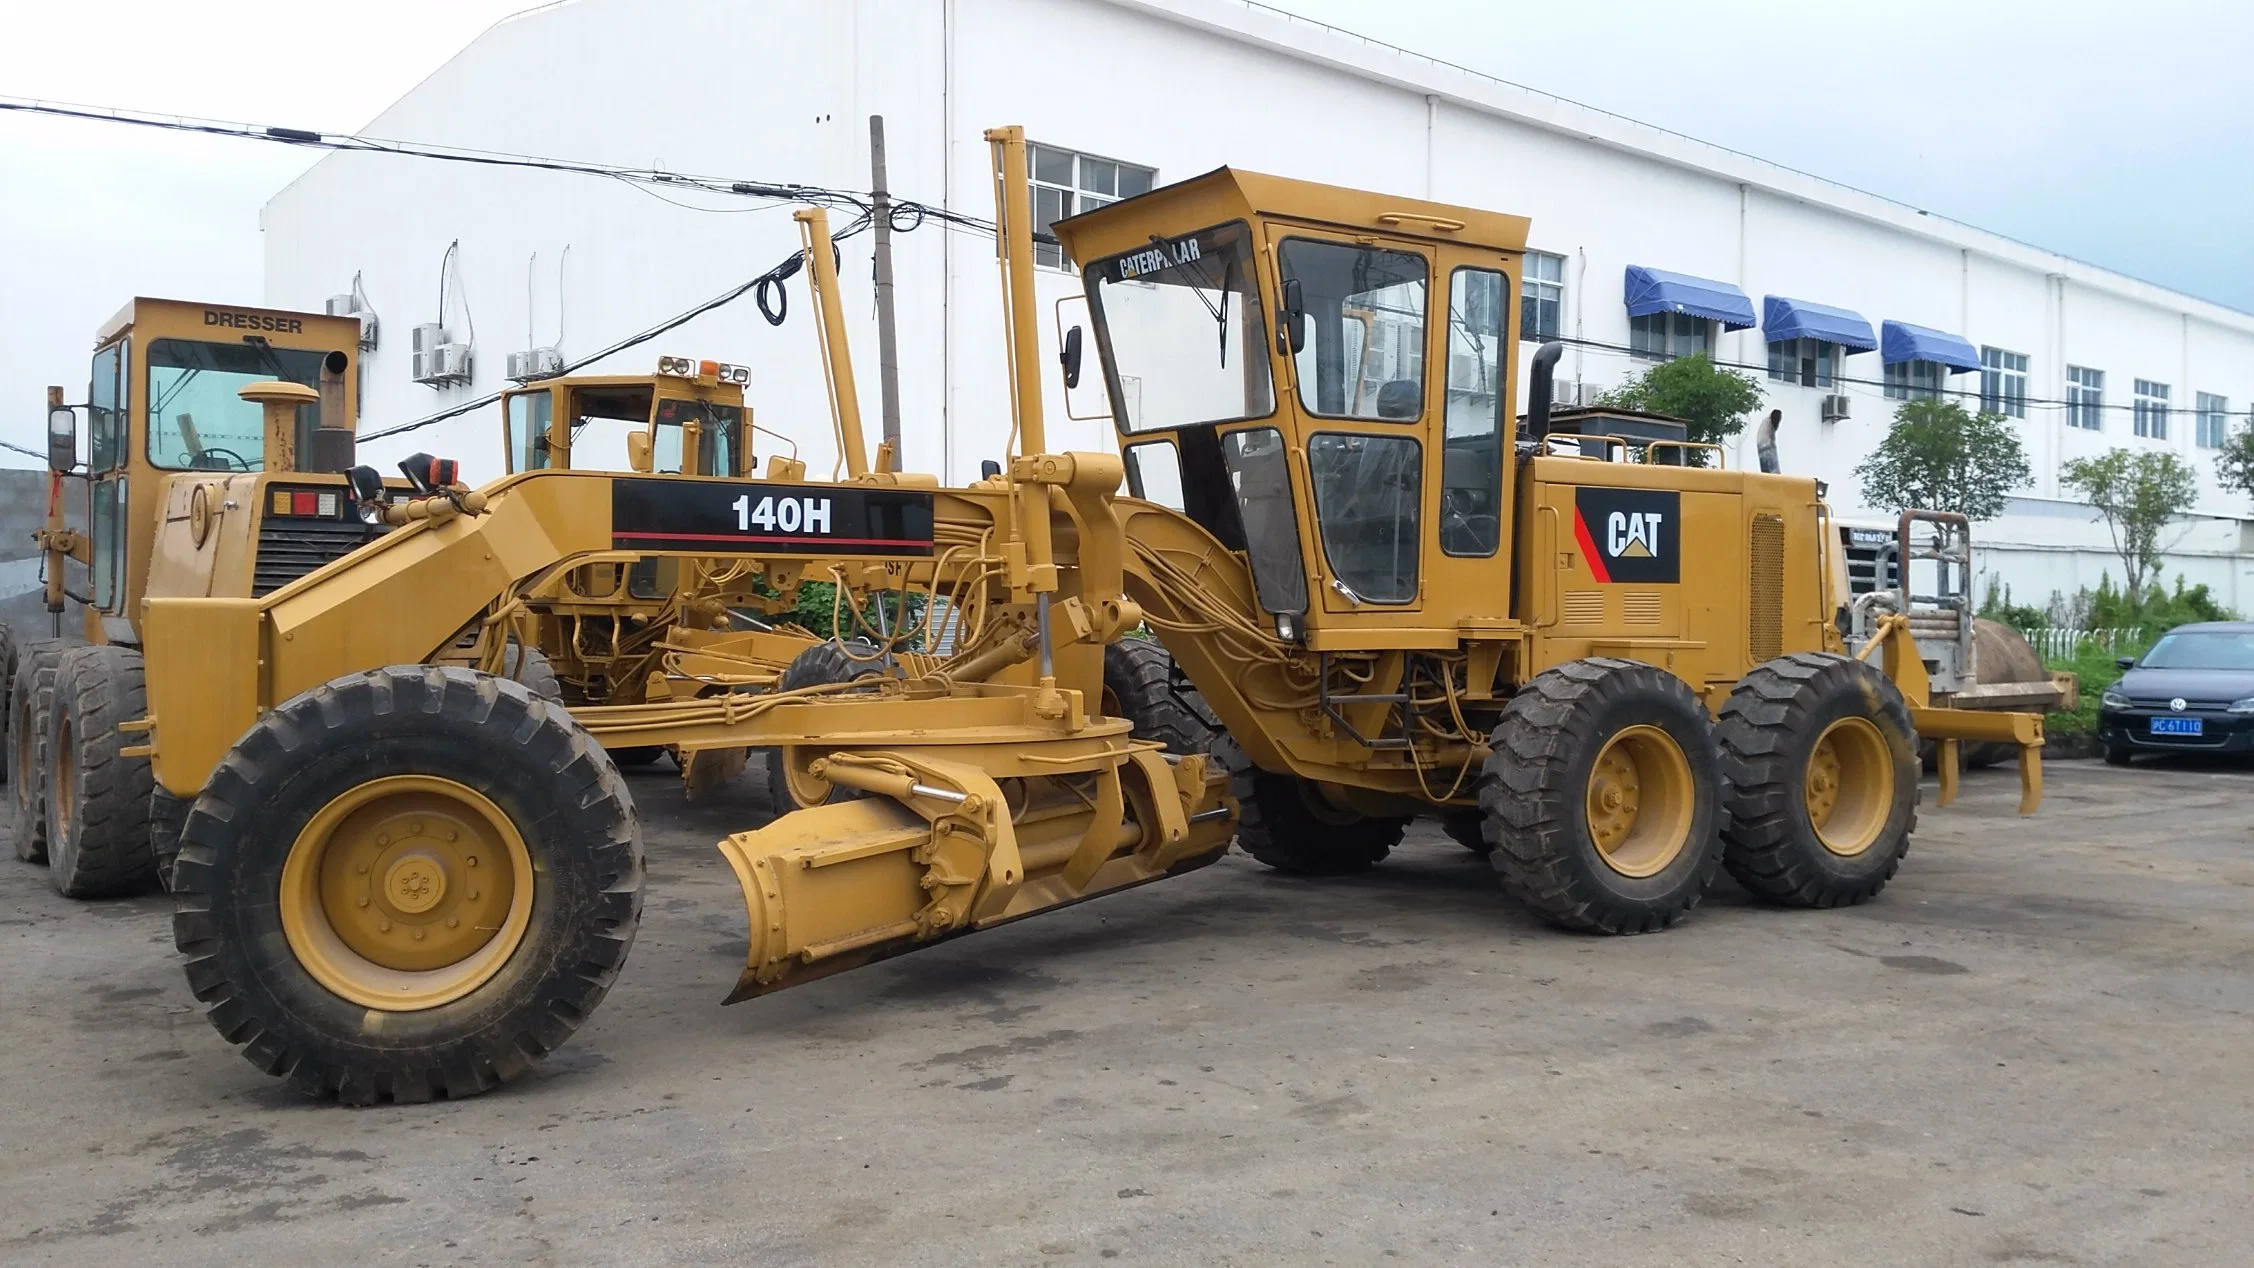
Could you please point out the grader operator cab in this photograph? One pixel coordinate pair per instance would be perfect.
(215, 444)
(403, 880)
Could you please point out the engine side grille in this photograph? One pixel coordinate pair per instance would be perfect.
(1584, 607)
(289, 547)
(1764, 635)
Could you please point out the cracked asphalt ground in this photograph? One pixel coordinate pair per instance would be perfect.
(2034, 1047)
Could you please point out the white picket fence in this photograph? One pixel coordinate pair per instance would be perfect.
(2059, 643)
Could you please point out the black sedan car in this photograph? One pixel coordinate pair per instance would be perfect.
(2193, 692)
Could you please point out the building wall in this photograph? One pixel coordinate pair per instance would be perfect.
(1182, 86)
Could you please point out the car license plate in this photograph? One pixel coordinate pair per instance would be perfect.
(2176, 726)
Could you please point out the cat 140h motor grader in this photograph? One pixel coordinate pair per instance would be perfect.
(403, 880)
(218, 442)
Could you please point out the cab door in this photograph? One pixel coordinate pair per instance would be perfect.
(1468, 469)
(1358, 310)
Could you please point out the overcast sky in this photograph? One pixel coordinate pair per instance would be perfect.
(2118, 134)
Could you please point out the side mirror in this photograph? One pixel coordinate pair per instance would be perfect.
(638, 451)
(62, 440)
(2125, 662)
(1291, 323)
(1071, 358)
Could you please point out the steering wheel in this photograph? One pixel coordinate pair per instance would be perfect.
(197, 460)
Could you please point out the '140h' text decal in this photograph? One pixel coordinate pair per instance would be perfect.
(1630, 535)
(755, 517)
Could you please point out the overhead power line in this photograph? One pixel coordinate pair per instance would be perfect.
(905, 215)
(650, 179)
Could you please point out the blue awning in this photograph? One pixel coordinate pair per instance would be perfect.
(1783, 318)
(1651, 291)
(1900, 341)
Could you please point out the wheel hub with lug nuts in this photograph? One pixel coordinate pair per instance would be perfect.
(1849, 790)
(406, 892)
(1640, 801)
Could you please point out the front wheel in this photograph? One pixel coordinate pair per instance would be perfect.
(2118, 755)
(409, 883)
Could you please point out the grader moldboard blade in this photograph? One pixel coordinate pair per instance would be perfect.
(944, 845)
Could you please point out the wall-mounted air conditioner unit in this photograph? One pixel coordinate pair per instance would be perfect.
(1835, 408)
(354, 306)
(439, 361)
(535, 363)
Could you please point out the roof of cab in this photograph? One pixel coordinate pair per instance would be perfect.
(1226, 193)
(125, 317)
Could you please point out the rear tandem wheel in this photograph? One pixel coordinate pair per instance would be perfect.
(31, 699)
(1602, 791)
(408, 883)
(1287, 822)
(1822, 763)
(98, 842)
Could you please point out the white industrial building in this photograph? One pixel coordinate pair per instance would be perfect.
(1648, 240)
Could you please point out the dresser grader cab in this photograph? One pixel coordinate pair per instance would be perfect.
(1341, 589)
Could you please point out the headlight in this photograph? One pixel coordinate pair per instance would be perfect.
(2242, 706)
(2115, 700)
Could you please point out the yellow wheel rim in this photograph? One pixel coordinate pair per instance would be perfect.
(1640, 801)
(406, 893)
(1850, 786)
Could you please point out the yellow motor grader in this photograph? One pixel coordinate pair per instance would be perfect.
(218, 445)
(403, 880)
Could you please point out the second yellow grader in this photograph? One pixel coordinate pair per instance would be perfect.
(1374, 596)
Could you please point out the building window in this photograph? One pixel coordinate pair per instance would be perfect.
(2085, 398)
(1067, 184)
(2003, 383)
(2213, 410)
(2152, 409)
(1541, 304)
(1807, 362)
(1669, 335)
(1915, 380)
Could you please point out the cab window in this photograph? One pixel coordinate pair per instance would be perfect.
(1364, 309)
(105, 514)
(1366, 499)
(529, 415)
(1471, 455)
(602, 418)
(1260, 476)
(1180, 324)
(1154, 473)
(719, 435)
(105, 410)
(197, 419)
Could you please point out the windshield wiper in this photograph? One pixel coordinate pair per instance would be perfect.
(1219, 313)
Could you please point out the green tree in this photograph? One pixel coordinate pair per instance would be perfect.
(1714, 401)
(1939, 457)
(2137, 493)
(2234, 462)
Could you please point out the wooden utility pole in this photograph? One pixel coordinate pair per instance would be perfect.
(888, 347)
